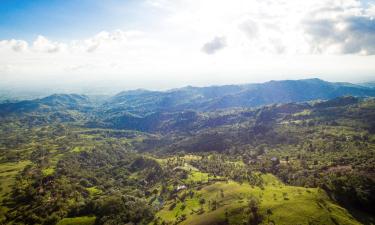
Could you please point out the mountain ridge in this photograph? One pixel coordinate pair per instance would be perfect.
(229, 96)
(141, 102)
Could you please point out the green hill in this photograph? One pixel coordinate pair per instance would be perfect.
(228, 203)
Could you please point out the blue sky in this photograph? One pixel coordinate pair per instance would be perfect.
(162, 44)
(65, 19)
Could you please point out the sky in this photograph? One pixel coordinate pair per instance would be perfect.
(161, 44)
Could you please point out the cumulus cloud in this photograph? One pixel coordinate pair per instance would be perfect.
(250, 28)
(336, 30)
(110, 38)
(19, 46)
(371, 10)
(278, 27)
(15, 45)
(214, 45)
(42, 44)
(104, 53)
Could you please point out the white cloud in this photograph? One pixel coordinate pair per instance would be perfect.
(44, 56)
(103, 39)
(19, 46)
(261, 37)
(110, 38)
(214, 45)
(341, 30)
(277, 26)
(371, 10)
(42, 44)
(351, 35)
(15, 45)
(250, 28)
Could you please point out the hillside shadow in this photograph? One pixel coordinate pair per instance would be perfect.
(363, 217)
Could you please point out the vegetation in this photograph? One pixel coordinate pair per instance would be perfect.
(272, 204)
(65, 160)
(85, 220)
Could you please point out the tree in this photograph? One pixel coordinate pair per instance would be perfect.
(269, 213)
(255, 217)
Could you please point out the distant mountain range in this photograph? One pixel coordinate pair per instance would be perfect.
(53, 102)
(139, 103)
(368, 84)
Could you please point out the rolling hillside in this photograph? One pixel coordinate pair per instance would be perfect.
(186, 156)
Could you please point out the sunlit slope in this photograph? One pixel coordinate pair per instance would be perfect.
(278, 204)
(86, 220)
(8, 172)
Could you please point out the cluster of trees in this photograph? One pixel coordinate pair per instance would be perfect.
(64, 180)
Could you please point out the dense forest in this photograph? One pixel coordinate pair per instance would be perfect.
(191, 156)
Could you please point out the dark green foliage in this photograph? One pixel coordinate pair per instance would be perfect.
(122, 209)
(352, 190)
(254, 216)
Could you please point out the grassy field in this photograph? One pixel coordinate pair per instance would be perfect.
(196, 176)
(94, 191)
(85, 220)
(279, 204)
(48, 171)
(8, 171)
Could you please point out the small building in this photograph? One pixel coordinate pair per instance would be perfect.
(275, 161)
(181, 187)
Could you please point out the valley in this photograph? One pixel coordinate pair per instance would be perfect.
(187, 156)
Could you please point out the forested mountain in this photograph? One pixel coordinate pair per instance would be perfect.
(281, 152)
(142, 102)
(50, 103)
(221, 97)
(368, 84)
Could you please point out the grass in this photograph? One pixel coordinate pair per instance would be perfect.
(77, 149)
(94, 191)
(197, 176)
(287, 204)
(85, 220)
(8, 172)
(186, 158)
(191, 157)
(48, 171)
(305, 112)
